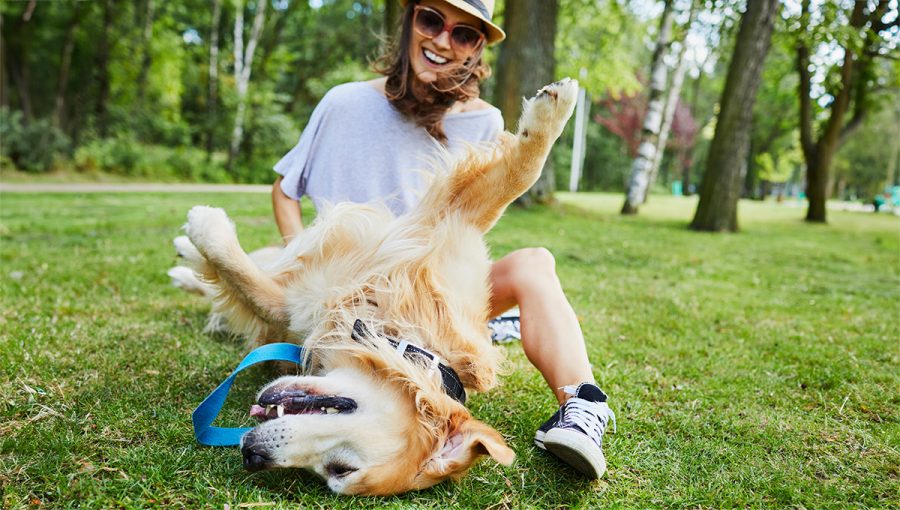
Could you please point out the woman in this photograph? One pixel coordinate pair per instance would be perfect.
(360, 145)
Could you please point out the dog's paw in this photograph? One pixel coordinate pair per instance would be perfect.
(186, 250)
(548, 112)
(209, 228)
(184, 278)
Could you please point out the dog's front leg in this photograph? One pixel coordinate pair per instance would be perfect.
(245, 293)
(482, 185)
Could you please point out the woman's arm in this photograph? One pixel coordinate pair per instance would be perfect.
(287, 213)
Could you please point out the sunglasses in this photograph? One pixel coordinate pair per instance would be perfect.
(431, 23)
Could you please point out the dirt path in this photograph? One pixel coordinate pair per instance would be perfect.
(86, 187)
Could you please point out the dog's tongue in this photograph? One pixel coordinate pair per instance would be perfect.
(257, 411)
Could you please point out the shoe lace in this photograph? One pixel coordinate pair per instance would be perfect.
(590, 417)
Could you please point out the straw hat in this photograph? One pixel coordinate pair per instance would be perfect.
(481, 9)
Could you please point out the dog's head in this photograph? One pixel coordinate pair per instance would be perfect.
(367, 431)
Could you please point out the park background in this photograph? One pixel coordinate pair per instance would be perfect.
(748, 369)
(218, 91)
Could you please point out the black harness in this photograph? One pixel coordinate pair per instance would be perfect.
(450, 380)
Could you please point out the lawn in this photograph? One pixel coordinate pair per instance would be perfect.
(757, 369)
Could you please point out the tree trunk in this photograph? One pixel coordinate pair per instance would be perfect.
(243, 64)
(147, 58)
(15, 57)
(101, 67)
(268, 48)
(643, 163)
(65, 65)
(213, 89)
(671, 103)
(526, 64)
(392, 14)
(727, 160)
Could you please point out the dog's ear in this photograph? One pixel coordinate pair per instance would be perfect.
(469, 440)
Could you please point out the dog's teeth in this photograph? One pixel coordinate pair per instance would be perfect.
(331, 410)
(280, 409)
(322, 409)
(269, 408)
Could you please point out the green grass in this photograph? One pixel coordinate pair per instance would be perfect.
(757, 369)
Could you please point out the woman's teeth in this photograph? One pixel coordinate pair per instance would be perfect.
(435, 58)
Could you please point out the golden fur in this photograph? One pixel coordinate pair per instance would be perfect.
(421, 277)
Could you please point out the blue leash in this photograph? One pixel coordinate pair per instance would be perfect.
(209, 409)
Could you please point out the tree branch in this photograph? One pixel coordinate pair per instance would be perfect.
(863, 70)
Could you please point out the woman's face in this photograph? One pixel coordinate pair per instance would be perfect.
(430, 56)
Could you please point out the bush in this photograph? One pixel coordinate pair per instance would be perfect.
(34, 147)
(125, 156)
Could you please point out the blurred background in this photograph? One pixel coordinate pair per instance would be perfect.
(218, 90)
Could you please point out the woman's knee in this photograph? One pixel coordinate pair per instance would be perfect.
(532, 263)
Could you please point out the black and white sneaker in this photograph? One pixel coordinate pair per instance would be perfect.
(575, 432)
(505, 329)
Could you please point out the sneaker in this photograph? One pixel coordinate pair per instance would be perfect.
(575, 432)
(505, 328)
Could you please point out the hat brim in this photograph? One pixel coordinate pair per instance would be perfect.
(494, 33)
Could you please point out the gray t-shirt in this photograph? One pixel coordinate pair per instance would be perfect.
(357, 147)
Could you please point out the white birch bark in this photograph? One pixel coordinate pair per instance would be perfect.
(671, 105)
(243, 64)
(643, 163)
(582, 110)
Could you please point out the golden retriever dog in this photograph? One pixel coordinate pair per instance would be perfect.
(374, 416)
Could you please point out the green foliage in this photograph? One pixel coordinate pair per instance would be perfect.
(33, 147)
(600, 44)
(778, 168)
(124, 156)
(861, 165)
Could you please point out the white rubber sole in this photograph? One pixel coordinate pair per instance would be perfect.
(576, 450)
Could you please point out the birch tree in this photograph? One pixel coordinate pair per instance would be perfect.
(243, 64)
(642, 164)
(671, 104)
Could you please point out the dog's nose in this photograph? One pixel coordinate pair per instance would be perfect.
(255, 456)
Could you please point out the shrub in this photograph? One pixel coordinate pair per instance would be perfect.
(33, 147)
(125, 156)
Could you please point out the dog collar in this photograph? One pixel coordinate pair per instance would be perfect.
(453, 386)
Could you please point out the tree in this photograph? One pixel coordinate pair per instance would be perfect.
(727, 159)
(853, 80)
(527, 63)
(392, 14)
(643, 162)
(243, 65)
(62, 81)
(212, 94)
(101, 69)
(671, 103)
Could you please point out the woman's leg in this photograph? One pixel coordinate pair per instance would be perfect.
(553, 342)
(551, 335)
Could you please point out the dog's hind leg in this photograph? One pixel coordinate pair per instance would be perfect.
(484, 183)
(252, 300)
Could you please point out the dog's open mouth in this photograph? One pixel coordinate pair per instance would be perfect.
(286, 402)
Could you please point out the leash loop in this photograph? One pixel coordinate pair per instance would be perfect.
(209, 409)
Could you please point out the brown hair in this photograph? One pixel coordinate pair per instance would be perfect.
(427, 104)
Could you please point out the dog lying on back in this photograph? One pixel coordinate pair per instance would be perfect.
(374, 416)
